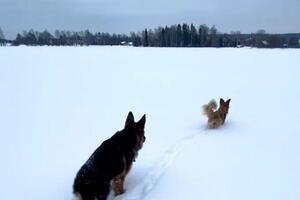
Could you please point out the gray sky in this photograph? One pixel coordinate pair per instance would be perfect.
(124, 16)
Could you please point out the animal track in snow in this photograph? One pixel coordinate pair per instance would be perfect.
(157, 170)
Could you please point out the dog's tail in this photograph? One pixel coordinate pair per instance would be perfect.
(208, 109)
(77, 196)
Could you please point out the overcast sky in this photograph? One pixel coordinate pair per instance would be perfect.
(124, 16)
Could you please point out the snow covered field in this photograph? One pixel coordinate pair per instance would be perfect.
(59, 103)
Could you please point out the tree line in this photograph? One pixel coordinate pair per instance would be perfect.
(62, 38)
(180, 35)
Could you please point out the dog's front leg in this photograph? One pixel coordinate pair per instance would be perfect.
(118, 184)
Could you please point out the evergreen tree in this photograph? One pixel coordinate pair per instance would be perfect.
(31, 38)
(163, 38)
(45, 38)
(213, 36)
(194, 37)
(203, 32)
(186, 35)
(18, 40)
(145, 38)
(88, 38)
(173, 36)
(168, 36)
(178, 36)
(136, 39)
(151, 38)
(293, 42)
(221, 41)
(276, 41)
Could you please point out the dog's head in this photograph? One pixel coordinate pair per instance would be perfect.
(224, 105)
(137, 129)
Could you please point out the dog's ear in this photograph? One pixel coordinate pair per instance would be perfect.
(228, 101)
(129, 119)
(142, 121)
(222, 101)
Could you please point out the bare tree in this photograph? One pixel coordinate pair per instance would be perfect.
(1, 34)
(261, 31)
(235, 32)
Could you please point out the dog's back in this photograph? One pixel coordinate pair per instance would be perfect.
(93, 179)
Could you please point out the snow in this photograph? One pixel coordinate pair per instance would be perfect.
(59, 103)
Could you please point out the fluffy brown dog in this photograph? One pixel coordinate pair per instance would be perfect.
(216, 118)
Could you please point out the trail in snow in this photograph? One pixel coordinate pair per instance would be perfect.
(159, 168)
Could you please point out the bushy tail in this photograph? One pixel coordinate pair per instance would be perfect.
(77, 196)
(208, 109)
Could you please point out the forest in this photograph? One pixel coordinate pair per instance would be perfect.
(180, 35)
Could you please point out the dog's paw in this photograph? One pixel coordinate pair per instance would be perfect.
(119, 192)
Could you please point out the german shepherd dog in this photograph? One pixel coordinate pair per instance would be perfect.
(216, 118)
(110, 162)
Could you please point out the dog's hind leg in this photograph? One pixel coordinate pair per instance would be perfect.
(101, 197)
(94, 196)
(118, 184)
(96, 192)
(103, 190)
(87, 196)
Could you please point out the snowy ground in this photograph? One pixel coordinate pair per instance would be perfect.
(59, 103)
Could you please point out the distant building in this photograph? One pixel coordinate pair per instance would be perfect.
(123, 43)
(264, 42)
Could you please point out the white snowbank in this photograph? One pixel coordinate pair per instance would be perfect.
(59, 103)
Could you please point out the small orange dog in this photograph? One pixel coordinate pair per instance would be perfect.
(216, 118)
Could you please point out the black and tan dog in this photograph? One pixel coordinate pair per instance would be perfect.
(110, 162)
(216, 117)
